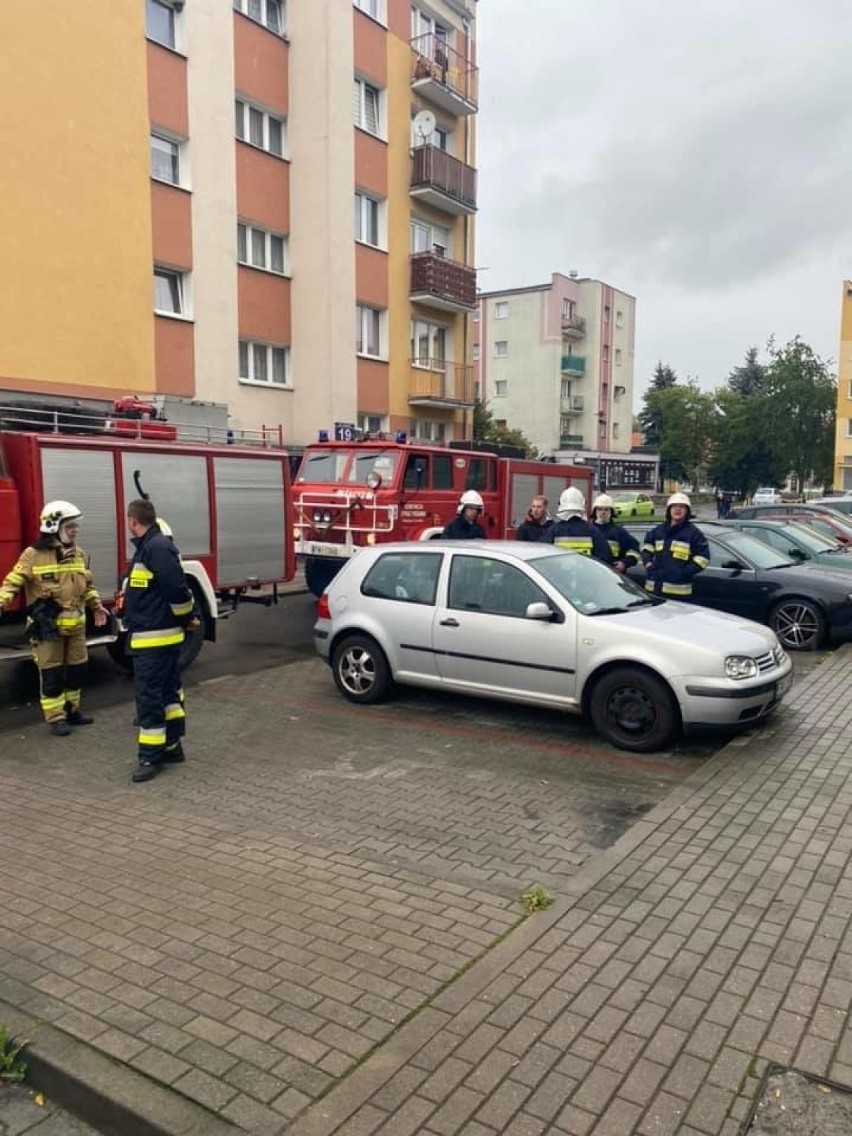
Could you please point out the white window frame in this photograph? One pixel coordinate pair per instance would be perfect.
(359, 106)
(439, 339)
(363, 202)
(376, 318)
(501, 349)
(176, 24)
(376, 9)
(476, 352)
(849, 427)
(248, 8)
(501, 388)
(366, 423)
(424, 23)
(243, 109)
(431, 430)
(501, 309)
(619, 317)
(181, 147)
(254, 249)
(616, 429)
(178, 283)
(251, 350)
(618, 356)
(849, 389)
(428, 237)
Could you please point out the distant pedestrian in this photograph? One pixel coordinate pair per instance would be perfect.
(466, 526)
(623, 548)
(573, 531)
(158, 610)
(720, 504)
(537, 523)
(675, 552)
(56, 580)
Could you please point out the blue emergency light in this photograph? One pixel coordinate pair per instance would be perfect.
(322, 435)
(401, 437)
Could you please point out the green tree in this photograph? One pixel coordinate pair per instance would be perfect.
(485, 429)
(800, 411)
(750, 377)
(664, 378)
(743, 456)
(687, 418)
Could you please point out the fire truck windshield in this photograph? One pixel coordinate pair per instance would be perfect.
(347, 467)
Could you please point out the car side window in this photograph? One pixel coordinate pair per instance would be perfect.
(476, 474)
(480, 584)
(718, 555)
(416, 474)
(771, 537)
(409, 576)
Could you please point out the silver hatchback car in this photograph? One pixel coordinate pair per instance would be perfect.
(535, 624)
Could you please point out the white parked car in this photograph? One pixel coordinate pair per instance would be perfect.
(536, 624)
(766, 495)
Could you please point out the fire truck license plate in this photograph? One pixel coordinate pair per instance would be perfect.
(316, 548)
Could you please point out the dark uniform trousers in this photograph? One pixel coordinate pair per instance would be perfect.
(159, 702)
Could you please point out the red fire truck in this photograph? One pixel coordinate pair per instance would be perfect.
(349, 494)
(229, 507)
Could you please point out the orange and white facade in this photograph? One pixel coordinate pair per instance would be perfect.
(231, 203)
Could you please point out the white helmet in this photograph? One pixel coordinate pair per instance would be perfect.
(55, 514)
(468, 498)
(572, 503)
(679, 499)
(602, 501)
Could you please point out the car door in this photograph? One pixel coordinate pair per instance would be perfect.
(484, 642)
(730, 589)
(398, 594)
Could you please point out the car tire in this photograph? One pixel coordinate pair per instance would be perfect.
(799, 624)
(633, 513)
(634, 710)
(361, 671)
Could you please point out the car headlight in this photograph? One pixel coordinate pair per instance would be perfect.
(740, 666)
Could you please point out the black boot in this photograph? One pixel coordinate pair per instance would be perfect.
(78, 718)
(174, 756)
(145, 770)
(59, 729)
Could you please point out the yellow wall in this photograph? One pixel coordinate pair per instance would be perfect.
(75, 240)
(843, 444)
(399, 217)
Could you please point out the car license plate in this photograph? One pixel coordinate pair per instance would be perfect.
(317, 548)
(783, 685)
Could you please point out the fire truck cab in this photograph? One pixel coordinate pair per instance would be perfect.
(351, 494)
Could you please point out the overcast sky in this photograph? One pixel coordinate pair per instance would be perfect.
(694, 153)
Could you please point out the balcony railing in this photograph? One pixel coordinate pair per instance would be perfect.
(573, 327)
(442, 180)
(573, 365)
(571, 441)
(444, 75)
(442, 283)
(573, 405)
(440, 382)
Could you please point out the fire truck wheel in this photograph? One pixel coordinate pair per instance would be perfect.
(319, 572)
(361, 670)
(193, 640)
(118, 654)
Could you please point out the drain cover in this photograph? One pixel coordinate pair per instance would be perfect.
(793, 1104)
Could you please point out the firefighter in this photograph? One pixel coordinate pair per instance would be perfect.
(158, 609)
(573, 531)
(675, 551)
(57, 584)
(466, 526)
(623, 548)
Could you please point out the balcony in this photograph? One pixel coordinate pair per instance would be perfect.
(571, 441)
(573, 365)
(573, 405)
(442, 283)
(573, 327)
(440, 383)
(443, 76)
(442, 181)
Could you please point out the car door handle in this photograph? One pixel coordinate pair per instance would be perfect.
(449, 622)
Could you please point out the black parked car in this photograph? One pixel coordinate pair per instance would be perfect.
(805, 606)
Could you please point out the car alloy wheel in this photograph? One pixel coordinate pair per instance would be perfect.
(799, 625)
(634, 710)
(360, 669)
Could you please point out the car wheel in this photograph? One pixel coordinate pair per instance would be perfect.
(634, 710)
(632, 512)
(799, 625)
(361, 670)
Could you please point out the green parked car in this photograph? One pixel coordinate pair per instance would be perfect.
(630, 504)
(798, 541)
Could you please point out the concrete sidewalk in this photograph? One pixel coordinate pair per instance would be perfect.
(191, 929)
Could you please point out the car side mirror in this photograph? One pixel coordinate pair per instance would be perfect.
(797, 554)
(736, 566)
(539, 611)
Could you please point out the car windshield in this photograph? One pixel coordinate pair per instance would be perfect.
(588, 585)
(347, 467)
(760, 554)
(323, 466)
(382, 462)
(624, 496)
(811, 539)
(840, 505)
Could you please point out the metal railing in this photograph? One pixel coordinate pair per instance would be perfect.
(434, 167)
(434, 60)
(575, 324)
(445, 279)
(574, 363)
(441, 379)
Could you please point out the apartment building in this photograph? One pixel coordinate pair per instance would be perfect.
(843, 438)
(266, 205)
(556, 361)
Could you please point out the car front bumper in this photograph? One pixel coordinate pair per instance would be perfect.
(730, 703)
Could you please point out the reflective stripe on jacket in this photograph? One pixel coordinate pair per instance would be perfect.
(158, 600)
(622, 545)
(580, 536)
(673, 555)
(57, 573)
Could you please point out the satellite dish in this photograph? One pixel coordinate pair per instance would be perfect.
(424, 124)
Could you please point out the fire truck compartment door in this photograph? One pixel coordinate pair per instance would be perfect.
(86, 478)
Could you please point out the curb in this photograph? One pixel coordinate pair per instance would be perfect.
(106, 1093)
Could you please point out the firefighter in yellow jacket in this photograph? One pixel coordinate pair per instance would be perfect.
(57, 584)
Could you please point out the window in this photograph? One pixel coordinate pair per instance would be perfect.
(567, 308)
(430, 238)
(160, 22)
(428, 344)
(442, 472)
(430, 431)
(368, 331)
(263, 363)
(849, 427)
(478, 583)
(165, 160)
(372, 423)
(476, 316)
(475, 352)
(369, 220)
(259, 129)
(618, 356)
(442, 138)
(616, 429)
(410, 576)
(619, 318)
(422, 23)
(169, 292)
(261, 249)
(565, 390)
(606, 353)
(373, 8)
(481, 474)
(365, 107)
(501, 310)
(270, 13)
(501, 348)
(849, 389)
(501, 388)
(606, 314)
